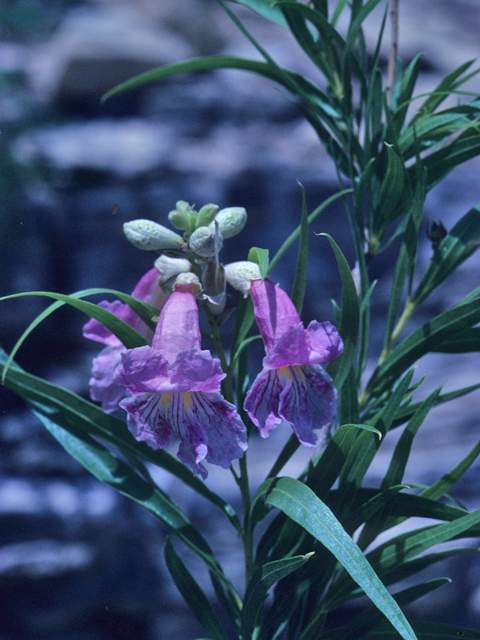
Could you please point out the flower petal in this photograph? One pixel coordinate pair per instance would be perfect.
(308, 402)
(274, 311)
(262, 401)
(302, 396)
(227, 435)
(104, 387)
(196, 370)
(178, 328)
(147, 420)
(95, 330)
(143, 370)
(319, 343)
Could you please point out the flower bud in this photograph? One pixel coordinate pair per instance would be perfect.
(240, 275)
(231, 221)
(206, 214)
(169, 267)
(187, 282)
(150, 236)
(183, 217)
(205, 241)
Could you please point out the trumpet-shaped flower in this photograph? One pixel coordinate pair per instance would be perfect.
(175, 389)
(104, 388)
(292, 385)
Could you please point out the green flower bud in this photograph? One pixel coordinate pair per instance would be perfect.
(206, 214)
(231, 221)
(150, 236)
(183, 217)
(205, 242)
(240, 275)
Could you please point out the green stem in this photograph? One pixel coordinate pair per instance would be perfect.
(410, 307)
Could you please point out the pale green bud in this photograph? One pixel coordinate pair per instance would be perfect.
(183, 216)
(230, 221)
(240, 275)
(169, 267)
(206, 214)
(205, 241)
(150, 236)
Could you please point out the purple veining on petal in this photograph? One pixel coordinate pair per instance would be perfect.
(291, 387)
(175, 387)
(303, 396)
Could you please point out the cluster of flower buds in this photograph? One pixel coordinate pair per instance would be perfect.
(203, 234)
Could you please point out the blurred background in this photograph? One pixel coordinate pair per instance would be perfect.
(77, 561)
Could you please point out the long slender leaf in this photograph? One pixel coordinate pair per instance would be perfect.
(302, 505)
(123, 331)
(423, 340)
(301, 271)
(428, 631)
(349, 319)
(110, 469)
(68, 410)
(257, 589)
(193, 594)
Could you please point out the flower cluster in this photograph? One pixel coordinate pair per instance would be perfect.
(172, 387)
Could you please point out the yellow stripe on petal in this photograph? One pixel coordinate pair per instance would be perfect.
(187, 399)
(165, 399)
(292, 371)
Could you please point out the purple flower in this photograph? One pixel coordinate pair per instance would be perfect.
(175, 389)
(103, 387)
(292, 385)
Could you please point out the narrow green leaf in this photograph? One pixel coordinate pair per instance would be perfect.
(123, 331)
(423, 340)
(257, 589)
(459, 244)
(401, 454)
(428, 631)
(350, 317)
(301, 271)
(69, 410)
(260, 256)
(193, 594)
(390, 194)
(293, 236)
(265, 8)
(299, 503)
(111, 470)
(370, 618)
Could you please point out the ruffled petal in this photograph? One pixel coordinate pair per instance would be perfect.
(207, 425)
(143, 370)
(303, 396)
(147, 419)
(196, 370)
(262, 401)
(227, 435)
(319, 343)
(104, 387)
(307, 402)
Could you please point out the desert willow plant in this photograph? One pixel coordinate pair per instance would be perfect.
(157, 382)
